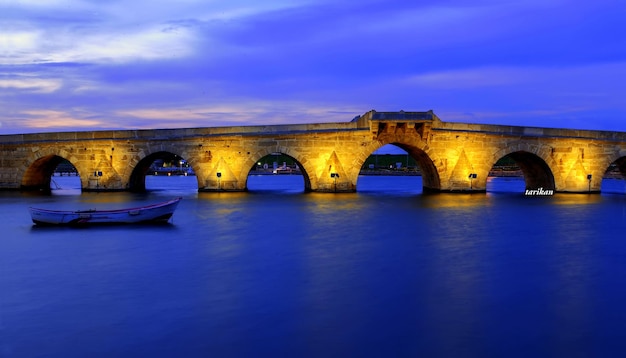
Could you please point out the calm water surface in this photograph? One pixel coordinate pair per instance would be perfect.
(386, 272)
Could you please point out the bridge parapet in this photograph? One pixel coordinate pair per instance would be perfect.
(381, 123)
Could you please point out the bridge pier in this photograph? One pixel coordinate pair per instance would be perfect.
(219, 188)
(335, 188)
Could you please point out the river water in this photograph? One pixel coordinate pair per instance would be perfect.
(275, 272)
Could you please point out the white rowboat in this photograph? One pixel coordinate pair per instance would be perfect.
(155, 213)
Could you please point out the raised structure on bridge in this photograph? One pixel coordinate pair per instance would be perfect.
(454, 157)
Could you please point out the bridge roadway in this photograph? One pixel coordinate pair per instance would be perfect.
(454, 157)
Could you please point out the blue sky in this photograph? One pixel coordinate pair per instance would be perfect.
(83, 65)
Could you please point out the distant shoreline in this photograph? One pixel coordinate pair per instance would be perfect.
(388, 172)
(383, 172)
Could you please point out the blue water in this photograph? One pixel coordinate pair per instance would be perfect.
(385, 272)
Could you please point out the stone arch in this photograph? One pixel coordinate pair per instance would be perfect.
(416, 148)
(250, 163)
(36, 172)
(619, 158)
(536, 164)
(606, 166)
(142, 161)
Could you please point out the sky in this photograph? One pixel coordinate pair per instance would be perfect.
(69, 65)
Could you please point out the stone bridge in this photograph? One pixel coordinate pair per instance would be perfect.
(453, 157)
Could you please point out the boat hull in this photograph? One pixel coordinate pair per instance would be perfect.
(156, 213)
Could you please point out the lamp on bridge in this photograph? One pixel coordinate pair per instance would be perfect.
(471, 177)
(335, 176)
(97, 174)
(589, 176)
(219, 175)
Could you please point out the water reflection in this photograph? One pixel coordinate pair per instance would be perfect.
(65, 185)
(454, 200)
(572, 293)
(576, 199)
(458, 278)
(613, 186)
(291, 184)
(275, 273)
(287, 183)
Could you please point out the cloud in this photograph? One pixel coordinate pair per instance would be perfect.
(39, 46)
(18, 41)
(58, 120)
(250, 113)
(33, 85)
(62, 31)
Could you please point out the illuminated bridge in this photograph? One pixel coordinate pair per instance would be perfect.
(453, 157)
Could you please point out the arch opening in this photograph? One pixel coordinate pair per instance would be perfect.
(520, 171)
(52, 174)
(614, 179)
(398, 167)
(163, 171)
(278, 172)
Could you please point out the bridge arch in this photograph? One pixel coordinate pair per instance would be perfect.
(257, 156)
(613, 168)
(619, 161)
(417, 149)
(37, 171)
(38, 175)
(137, 178)
(535, 163)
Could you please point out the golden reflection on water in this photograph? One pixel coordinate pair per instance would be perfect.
(454, 200)
(222, 196)
(325, 202)
(576, 199)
